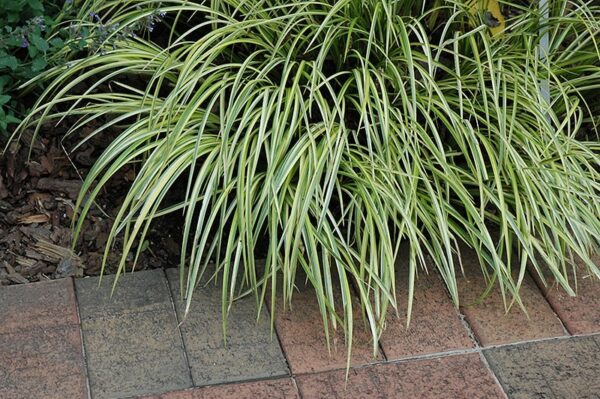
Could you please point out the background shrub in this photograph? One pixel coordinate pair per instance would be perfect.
(31, 41)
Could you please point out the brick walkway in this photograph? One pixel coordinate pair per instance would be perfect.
(70, 339)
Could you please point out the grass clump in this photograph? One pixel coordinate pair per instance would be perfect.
(338, 129)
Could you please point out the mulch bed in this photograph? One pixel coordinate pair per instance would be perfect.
(37, 198)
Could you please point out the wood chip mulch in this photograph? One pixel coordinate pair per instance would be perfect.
(38, 191)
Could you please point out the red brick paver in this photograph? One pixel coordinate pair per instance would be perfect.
(44, 363)
(435, 324)
(38, 305)
(40, 342)
(303, 338)
(276, 389)
(580, 314)
(460, 376)
(489, 320)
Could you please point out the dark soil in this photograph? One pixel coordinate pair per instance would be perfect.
(37, 197)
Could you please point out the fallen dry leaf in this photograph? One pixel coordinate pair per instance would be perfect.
(35, 197)
(47, 163)
(40, 218)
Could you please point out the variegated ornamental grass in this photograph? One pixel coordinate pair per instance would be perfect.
(338, 129)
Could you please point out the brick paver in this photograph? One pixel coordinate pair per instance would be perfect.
(131, 339)
(272, 389)
(580, 314)
(39, 305)
(40, 344)
(251, 352)
(144, 291)
(42, 363)
(134, 345)
(458, 376)
(435, 324)
(489, 320)
(553, 369)
(303, 338)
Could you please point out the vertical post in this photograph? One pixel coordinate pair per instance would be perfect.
(544, 48)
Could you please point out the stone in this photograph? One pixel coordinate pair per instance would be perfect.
(134, 292)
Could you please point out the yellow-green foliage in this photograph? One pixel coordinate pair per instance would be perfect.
(338, 129)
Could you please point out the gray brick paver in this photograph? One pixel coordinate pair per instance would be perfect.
(132, 343)
(251, 352)
(553, 369)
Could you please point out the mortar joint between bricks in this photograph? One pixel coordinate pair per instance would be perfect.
(83, 351)
(179, 322)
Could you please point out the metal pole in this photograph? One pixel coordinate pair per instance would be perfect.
(544, 48)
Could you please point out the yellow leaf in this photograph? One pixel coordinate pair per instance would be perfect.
(493, 7)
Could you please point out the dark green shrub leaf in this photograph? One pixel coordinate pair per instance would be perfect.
(38, 64)
(32, 51)
(12, 119)
(36, 5)
(39, 43)
(57, 42)
(9, 61)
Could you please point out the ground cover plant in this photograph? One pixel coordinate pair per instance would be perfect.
(322, 134)
(32, 39)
